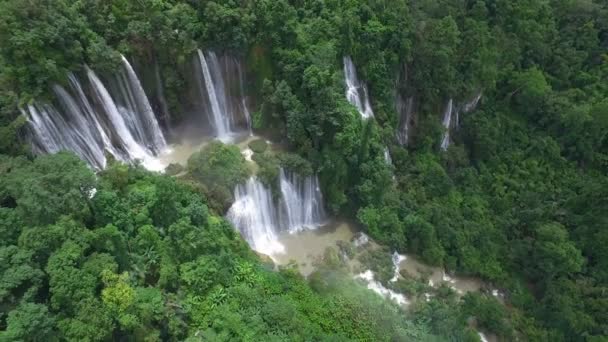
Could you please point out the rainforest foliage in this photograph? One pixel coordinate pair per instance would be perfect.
(132, 255)
(519, 198)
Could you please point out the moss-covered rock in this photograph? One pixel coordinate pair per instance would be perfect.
(174, 169)
(258, 145)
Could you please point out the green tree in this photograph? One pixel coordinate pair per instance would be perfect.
(52, 186)
(30, 322)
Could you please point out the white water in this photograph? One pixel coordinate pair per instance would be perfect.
(246, 113)
(161, 96)
(92, 131)
(471, 105)
(356, 91)
(301, 200)
(248, 154)
(376, 286)
(260, 219)
(47, 128)
(217, 86)
(87, 138)
(221, 120)
(482, 337)
(90, 116)
(447, 121)
(397, 259)
(48, 132)
(468, 107)
(139, 104)
(118, 125)
(405, 110)
(387, 156)
(254, 214)
(451, 117)
(361, 240)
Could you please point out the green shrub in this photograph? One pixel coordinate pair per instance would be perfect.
(268, 171)
(258, 145)
(220, 168)
(295, 163)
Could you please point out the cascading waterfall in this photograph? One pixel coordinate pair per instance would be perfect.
(302, 202)
(92, 126)
(397, 259)
(139, 105)
(405, 110)
(221, 120)
(471, 105)
(118, 120)
(447, 121)
(468, 107)
(454, 111)
(48, 130)
(387, 156)
(254, 214)
(161, 97)
(260, 219)
(85, 129)
(356, 91)
(246, 113)
(90, 116)
(225, 107)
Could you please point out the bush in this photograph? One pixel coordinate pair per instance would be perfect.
(220, 168)
(258, 145)
(268, 171)
(295, 163)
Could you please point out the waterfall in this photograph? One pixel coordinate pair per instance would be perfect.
(447, 121)
(356, 91)
(302, 202)
(48, 130)
(405, 110)
(226, 105)
(254, 214)
(468, 107)
(471, 105)
(452, 110)
(397, 260)
(244, 99)
(119, 122)
(84, 129)
(161, 97)
(78, 130)
(140, 106)
(87, 109)
(260, 219)
(93, 125)
(221, 120)
(360, 239)
(368, 277)
(387, 156)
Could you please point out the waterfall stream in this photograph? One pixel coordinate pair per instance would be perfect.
(405, 110)
(99, 123)
(221, 120)
(140, 105)
(387, 156)
(451, 117)
(254, 214)
(227, 107)
(260, 218)
(356, 91)
(447, 121)
(302, 201)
